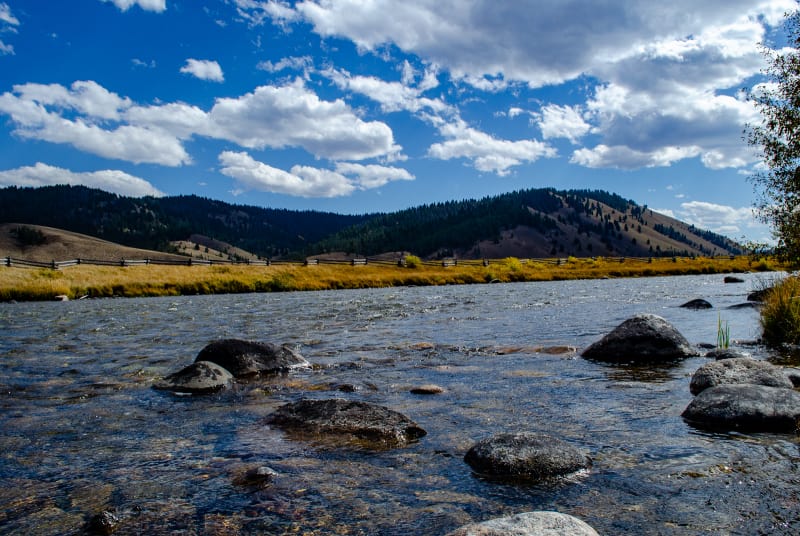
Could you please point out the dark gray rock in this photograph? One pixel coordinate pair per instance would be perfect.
(525, 456)
(642, 338)
(746, 408)
(370, 422)
(104, 523)
(738, 370)
(733, 279)
(247, 358)
(528, 524)
(759, 295)
(199, 377)
(794, 375)
(256, 476)
(746, 305)
(427, 389)
(699, 303)
(726, 353)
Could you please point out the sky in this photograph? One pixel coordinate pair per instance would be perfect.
(361, 106)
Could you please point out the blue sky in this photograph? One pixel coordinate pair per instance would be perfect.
(357, 106)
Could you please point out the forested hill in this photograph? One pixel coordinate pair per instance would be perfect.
(527, 223)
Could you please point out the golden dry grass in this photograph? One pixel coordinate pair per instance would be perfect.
(26, 284)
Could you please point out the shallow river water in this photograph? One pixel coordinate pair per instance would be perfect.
(82, 431)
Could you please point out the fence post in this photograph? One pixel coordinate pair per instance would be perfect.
(8, 261)
(54, 265)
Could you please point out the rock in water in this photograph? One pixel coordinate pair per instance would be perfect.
(745, 407)
(370, 422)
(528, 524)
(199, 377)
(697, 304)
(525, 456)
(727, 353)
(642, 338)
(246, 358)
(738, 370)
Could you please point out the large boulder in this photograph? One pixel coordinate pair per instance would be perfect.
(369, 422)
(745, 407)
(247, 358)
(738, 370)
(525, 456)
(642, 338)
(199, 377)
(528, 524)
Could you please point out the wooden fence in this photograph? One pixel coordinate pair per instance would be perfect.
(362, 261)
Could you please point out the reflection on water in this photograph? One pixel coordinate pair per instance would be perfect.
(83, 432)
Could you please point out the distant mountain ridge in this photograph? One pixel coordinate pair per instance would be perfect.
(527, 224)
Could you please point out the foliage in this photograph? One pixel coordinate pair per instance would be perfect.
(412, 261)
(778, 138)
(780, 315)
(723, 333)
(28, 236)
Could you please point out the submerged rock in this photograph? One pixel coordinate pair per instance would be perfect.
(642, 338)
(738, 370)
(427, 389)
(525, 456)
(697, 304)
(104, 523)
(727, 353)
(247, 358)
(733, 279)
(199, 377)
(759, 295)
(745, 407)
(528, 524)
(362, 420)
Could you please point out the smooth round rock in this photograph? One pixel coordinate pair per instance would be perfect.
(733, 279)
(247, 358)
(746, 408)
(427, 389)
(727, 353)
(528, 524)
(642, 338)
(525, 456)
(697, 304)
(199, 377)
(363, 420)
(738, 370)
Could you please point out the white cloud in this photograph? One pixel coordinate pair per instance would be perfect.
(302, 181)
(663, 77)
(561, 122)
(6, 50)
(723, 219)
(486, 152)
(373, 176)
(147, 5)
(296, 63)
(204, 70)
(293, 116)
(6, 16)
(109, 180)
(256, 11)
(40, 112)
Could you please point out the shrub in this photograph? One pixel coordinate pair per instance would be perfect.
(412, 261)
(513, 264)
(780, 316)
(28, 236)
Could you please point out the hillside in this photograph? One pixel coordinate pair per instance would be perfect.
(45, 244)
(526, 224)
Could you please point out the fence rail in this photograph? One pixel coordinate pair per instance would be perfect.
(358, 261)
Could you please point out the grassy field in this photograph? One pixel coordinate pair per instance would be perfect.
(29, 284)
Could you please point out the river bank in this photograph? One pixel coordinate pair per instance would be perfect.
(41, 284)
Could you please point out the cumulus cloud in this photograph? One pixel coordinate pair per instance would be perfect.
(302, 181)
(293, 116)
(109, 180)
(373, 176)
(6, 16)
(723, 219)
(486, 152)
(93, 119)
(147, 5)
(663, 79)
(295, 63)
(204, 70)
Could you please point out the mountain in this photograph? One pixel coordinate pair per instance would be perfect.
(526, 224)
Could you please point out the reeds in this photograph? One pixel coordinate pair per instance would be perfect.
(723, 333)
(780, 316)
(25, 284)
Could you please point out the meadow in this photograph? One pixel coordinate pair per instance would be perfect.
(74, 282)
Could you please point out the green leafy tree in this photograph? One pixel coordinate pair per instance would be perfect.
(777, 136)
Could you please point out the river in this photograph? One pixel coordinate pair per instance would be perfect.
(82, 431)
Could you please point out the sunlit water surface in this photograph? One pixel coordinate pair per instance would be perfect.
(82, 431)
